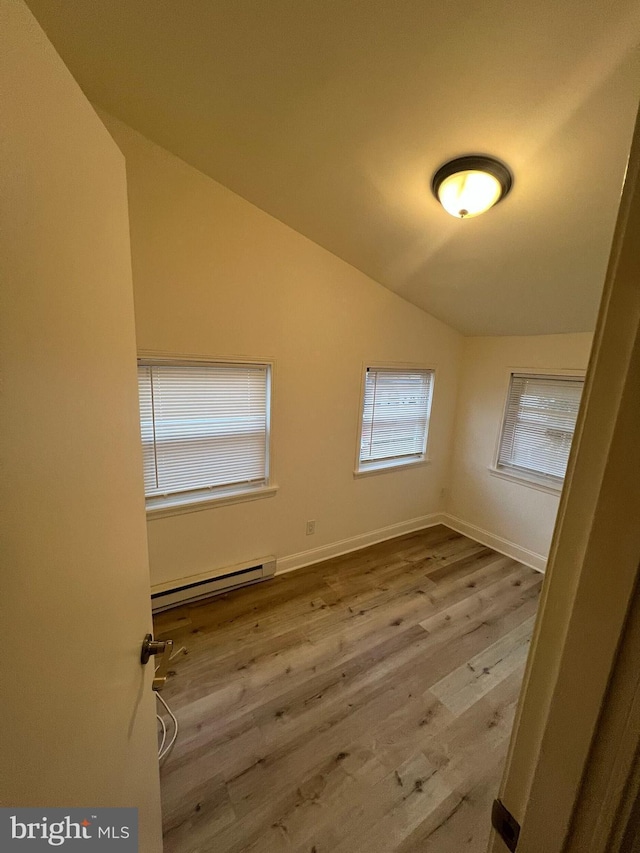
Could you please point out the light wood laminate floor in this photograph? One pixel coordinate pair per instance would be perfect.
(361, 705)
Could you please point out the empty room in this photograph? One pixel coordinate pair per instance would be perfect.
(304, 305)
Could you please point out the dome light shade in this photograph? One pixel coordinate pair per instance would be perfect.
(468, 186)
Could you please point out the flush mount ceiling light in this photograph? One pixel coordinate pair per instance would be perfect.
(467, 186)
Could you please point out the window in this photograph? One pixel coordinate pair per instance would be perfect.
(538, 427)
(205, 430)
(395, 417)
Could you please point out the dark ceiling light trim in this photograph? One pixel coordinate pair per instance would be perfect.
(473, 163)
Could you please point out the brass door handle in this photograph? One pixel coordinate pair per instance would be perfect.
(164, 648)
(151, 647)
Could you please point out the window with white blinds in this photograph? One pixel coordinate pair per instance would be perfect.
(395, 416)
(205, 428)
(538, 427)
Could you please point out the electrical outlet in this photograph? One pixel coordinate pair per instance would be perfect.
(311, 527)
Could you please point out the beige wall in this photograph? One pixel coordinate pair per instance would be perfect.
(215, 276)
(515, 512)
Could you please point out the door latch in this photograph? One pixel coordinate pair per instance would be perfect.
(505, 825)
(151, 647)
(163, 648)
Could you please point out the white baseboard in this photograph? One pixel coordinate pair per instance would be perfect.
(354, 543)
(503, 546)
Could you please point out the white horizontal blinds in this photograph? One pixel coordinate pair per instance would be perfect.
(209, 426)
(395, 415)
(146, 427)
(539, 424)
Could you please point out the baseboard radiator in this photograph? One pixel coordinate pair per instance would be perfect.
(197, 587)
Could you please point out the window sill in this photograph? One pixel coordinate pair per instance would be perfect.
(386, 467)
(523, 480)
(173, 505)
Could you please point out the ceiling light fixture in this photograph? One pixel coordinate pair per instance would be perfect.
(467, 186)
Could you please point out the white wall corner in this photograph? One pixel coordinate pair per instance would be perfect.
(491, 540)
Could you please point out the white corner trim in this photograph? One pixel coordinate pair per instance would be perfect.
(354, 543)
(491, 540)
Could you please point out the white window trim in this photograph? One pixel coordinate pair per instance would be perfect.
(401, 463)
(387, 467)
(162, 506)
(531, 480)
(172, 505)
(524, 479)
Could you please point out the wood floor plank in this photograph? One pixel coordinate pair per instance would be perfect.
(465, 685)
(362, 704)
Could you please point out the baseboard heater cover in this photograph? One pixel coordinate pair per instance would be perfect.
(197, 587)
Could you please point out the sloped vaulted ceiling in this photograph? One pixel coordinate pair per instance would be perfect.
(332, 115)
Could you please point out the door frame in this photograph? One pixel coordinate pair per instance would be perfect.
(580, 637)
